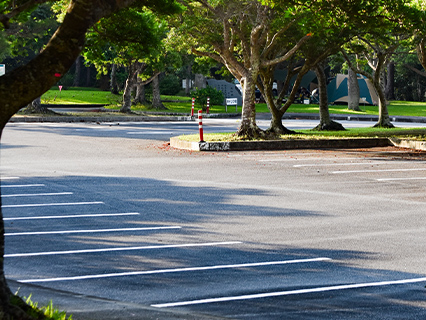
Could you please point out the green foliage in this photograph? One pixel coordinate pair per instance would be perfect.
(27, 37)
(170, 85)
(49, 311)
(201, 95)
(35, 312)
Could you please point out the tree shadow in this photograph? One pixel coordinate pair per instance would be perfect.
(203, 215)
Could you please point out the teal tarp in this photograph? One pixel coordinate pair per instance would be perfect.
(337, 90)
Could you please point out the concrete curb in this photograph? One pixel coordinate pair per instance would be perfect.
(408, 144)
(175, 142)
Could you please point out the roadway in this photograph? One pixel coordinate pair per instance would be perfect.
(109, 213)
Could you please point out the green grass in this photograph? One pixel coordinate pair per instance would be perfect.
(49, 311)
(79, 96)
(411, 133)
(181, 104)
(396, 108)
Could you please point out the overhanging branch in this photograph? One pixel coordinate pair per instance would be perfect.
(288, 54)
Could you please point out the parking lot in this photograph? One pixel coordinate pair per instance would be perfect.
(111, 213)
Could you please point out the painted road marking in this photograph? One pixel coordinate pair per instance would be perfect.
(151, 132)
(187, 245)
(383, 170)
(161, 271)
(9, 178)
(400, 179)
(294, 158)
(36, 194)
(90, 231)
(338, 164)
(74, 216)
(287, 293)
(51, 204)
(23, 185)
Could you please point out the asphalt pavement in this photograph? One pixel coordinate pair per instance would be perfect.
(110, 222)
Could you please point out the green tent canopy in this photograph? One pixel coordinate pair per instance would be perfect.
(337, 90)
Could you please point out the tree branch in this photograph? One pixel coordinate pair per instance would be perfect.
(288, 54)
(355, 69)
(419, 72)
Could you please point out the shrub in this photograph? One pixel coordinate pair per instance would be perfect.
(201, 95)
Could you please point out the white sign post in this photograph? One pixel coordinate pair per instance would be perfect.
(231, 102)
(2, 69)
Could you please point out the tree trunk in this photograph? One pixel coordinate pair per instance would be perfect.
(188, 80)
(156, 98)
(266, 87)
(419, 91)
(353, 91)
(325, 121)
(379, 76)
(140, 97)
(248, 127)
(200, 81)
(77, 73)
(88, 76)
(128, 88)
(113, 83)
(390, 83)
(36, 107)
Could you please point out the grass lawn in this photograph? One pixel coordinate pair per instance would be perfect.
(409, 133)
(179, 104)
(79, 96)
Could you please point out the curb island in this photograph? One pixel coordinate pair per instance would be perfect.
(355, 143)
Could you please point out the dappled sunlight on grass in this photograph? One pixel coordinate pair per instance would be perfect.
(182, 104)
(412, 133)
(79, 96)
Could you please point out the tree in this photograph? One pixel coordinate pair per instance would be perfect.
(27, 38)
(24, 84)
(240, 34)
(376, 47)
(377, 57)
(131, 44)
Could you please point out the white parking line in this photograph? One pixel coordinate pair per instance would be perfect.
(151, 132)
(187, 245)
(73, 216)
(90, 231)
(51, 204)
(22, 185)
(399, 179)
(9, 178)
(217, 267)
(287, 293)
(36, 194)
(338, 164)
(383, 170)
